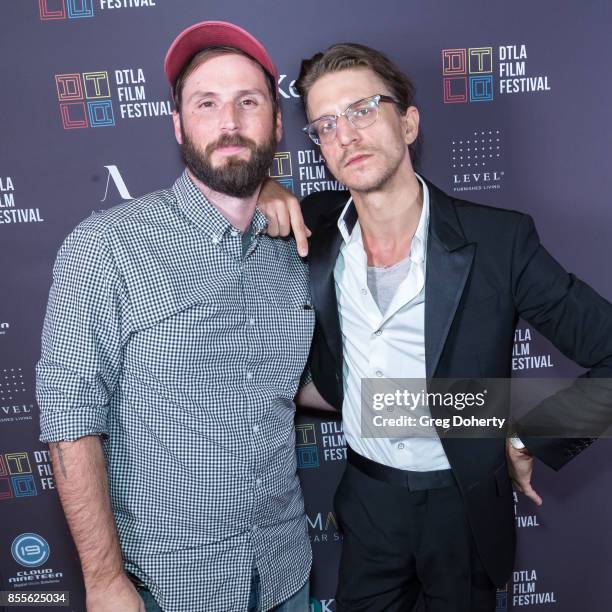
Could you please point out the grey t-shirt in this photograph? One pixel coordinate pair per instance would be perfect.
(383, 282)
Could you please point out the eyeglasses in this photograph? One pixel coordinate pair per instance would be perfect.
(360, 114)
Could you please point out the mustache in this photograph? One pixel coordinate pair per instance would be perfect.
(230, 140)
(349, 154)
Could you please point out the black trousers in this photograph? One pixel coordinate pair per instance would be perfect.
(402, 545)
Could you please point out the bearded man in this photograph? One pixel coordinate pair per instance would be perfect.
(175, 339)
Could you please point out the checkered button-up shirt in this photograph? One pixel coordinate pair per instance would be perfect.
(184, 352)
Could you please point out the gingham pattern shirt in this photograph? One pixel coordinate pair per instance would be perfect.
(185, 354)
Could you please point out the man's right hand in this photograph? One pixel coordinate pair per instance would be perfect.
(82, 482)
(520, 469)
(119, 595)
(284, 215)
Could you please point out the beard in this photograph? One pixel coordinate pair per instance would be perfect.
(234, 177)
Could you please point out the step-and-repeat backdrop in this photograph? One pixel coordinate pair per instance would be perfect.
(515, 106)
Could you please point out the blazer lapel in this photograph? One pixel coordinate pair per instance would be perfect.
(324, 249)
(449, 261)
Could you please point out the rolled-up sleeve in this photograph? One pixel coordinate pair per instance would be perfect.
(82, 339)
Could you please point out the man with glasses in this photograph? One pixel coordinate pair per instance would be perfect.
(175, 339)
(408, 283)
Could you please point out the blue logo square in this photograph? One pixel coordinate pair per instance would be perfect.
(307, 456)
(481, 88)
(287, 183)
(101, 113)
(24, 486)
(77, 9)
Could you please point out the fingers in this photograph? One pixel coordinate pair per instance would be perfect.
(284, 215)
(300, 231)
(272, 230)
(523, 485)
(273, 202)
(279, 222)
(283, 219)
(530, 492)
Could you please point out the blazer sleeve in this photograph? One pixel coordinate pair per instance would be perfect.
(578, 321)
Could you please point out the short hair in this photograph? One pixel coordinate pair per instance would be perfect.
(208, 53)
(344, 56)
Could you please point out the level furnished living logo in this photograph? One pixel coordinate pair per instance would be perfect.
(479, 74)
(476, 160)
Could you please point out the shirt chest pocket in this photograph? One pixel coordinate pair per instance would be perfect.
(287, 316)
(289, 311)
(286, 287)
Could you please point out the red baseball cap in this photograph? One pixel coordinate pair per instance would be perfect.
(212, 34)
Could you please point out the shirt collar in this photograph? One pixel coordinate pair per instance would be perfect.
(204, 215)
(348, 224)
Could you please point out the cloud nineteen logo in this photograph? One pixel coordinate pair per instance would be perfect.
(85, 100)
(467, 75)
(51, 10)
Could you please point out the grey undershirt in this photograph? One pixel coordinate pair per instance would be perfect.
(383, 282)
(247, 238)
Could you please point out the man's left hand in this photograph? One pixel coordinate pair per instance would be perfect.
(520, 468)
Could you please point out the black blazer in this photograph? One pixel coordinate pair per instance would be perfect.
(485, 268)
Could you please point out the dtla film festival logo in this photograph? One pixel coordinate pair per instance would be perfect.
(53, 10)
(16, 477)
(86, 99)
(332, 442)
(281, 170)
(11, 213)
(21, 471)
(306, 446)
(468, 74)
(311, 170)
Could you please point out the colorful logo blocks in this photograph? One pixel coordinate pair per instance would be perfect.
(281, 170)
(306, 446)
(467, 75)
(51, 10)
(16, 479)
(85, 100)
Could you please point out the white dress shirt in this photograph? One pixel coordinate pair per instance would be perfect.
(389, 345)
